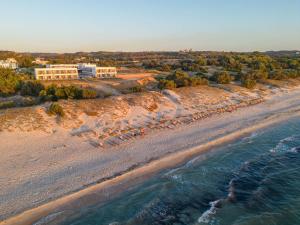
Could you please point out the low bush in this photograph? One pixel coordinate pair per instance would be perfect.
(180, 79)
(278, 75)
(196, 81)
(54, 93)
(88, 94)
(248, 83)
(9, 82)
(6, 105)
(60, 93)
(56, 109)
(222, 77)
(73, 92)
(135, 89)
(31, 88)
(166, 84)
(261, 75)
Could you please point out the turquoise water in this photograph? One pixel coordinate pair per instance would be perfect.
(254, 181)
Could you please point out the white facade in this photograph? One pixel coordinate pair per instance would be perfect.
(91, 70)
(56, 73)
(106, 72)
(9, 63)
(74, 71)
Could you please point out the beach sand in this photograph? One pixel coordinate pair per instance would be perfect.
(37, 167)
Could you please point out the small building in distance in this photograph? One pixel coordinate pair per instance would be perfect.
(9, 63)
(40, 61)
(74, 71)
(62, 66)
(56, 73)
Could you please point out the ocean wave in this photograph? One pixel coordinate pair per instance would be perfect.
(194, 160)
(284, 144)
(249, 139)
(48, 219)
(171, 172)
(256, 181)
(294, 150)
(206, 217)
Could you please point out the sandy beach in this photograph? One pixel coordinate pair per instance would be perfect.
(52, 171)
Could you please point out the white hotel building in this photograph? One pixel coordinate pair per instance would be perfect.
(56, 73)
(9, 63)
(74, 71)
(106, 72)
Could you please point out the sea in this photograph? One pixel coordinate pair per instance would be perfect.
(254, 180)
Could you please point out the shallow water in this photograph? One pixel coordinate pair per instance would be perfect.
(253, 181)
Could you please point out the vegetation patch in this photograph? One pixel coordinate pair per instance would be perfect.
(180, 79)
(6, 105)
(30, 88)
(222, 77)
(54, 93)
(10, 82)
(56, 109)
(248, 83)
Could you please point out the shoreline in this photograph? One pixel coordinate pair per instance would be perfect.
(59, 164)
(110, 188)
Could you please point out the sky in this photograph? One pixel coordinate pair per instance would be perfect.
(149, 25)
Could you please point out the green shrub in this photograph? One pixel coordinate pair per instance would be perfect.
(51, 89)
(8, 104)
(56, 109)
(88, 94)
(248, 83)
(53, 93)
(134, 89)
(196, 81)
(45, 97)
(222, 77)
(278, 75)
(31, 88)
(73, 92)
(166, 84)
(60, 93)
(261, 75)
(9, 82)
(180, 78)
(166, 68)
(293, 73)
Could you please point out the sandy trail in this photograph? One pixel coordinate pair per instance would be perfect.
(37, 167)
(103, 87)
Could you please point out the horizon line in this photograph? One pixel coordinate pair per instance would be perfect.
(141, 51)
